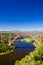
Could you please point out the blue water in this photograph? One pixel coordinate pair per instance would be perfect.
(24, 45)
(22, 49)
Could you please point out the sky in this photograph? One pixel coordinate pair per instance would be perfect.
(22, 15)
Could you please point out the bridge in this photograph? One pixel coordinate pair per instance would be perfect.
(30, 34)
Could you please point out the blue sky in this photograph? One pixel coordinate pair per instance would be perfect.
(25, 15)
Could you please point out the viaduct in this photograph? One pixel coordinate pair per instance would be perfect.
(20, 34)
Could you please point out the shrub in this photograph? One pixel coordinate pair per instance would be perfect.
(6, 47)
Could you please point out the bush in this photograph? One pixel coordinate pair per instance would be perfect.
(6, 47)
(5, 40)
